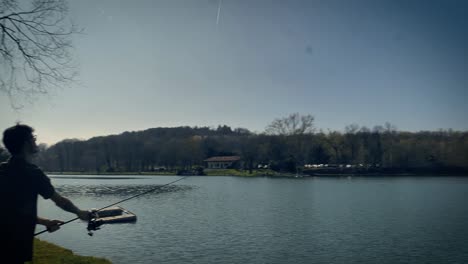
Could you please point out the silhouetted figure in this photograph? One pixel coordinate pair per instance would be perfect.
(20, 183)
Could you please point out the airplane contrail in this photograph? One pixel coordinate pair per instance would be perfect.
(219, 11)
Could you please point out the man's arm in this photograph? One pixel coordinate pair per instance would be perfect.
(68, 206)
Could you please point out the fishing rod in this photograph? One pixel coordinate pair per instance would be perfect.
(93, 214)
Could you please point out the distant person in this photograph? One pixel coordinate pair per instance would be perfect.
(21, 182)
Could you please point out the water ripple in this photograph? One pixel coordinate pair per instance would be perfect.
(117, 190)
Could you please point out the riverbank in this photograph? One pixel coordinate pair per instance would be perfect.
(275, 174)
(207, 172)
(48, 253)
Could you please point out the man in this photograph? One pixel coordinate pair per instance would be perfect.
(20, 183)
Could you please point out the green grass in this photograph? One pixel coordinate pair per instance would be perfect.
(48, 253)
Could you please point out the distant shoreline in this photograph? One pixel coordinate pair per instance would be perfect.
(241, 173)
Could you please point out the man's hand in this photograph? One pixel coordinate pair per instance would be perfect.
(83, 215)
(52, 225)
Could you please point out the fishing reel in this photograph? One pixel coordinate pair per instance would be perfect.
(94, 222)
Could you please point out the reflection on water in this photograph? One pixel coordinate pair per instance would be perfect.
(77, 190)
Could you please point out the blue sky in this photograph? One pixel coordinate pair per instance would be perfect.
(166, 63)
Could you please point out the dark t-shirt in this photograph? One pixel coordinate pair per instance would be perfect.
(20, 183)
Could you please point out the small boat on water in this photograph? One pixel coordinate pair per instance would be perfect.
(109, 215)
(115, 214)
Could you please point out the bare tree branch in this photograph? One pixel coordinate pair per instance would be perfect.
(294, 124)
(35, 44)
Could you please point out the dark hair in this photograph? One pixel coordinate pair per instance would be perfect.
(15, 137)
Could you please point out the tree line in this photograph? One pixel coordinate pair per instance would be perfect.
(288, 144)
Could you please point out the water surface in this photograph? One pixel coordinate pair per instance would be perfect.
(263, 220)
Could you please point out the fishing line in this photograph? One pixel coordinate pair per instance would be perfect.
(121, 201)
(219, 11)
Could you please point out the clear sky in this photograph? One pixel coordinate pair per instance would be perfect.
(154, 63)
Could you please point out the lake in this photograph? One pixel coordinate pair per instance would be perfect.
(209, 219)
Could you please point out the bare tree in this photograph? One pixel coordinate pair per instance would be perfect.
(294, 124)
(35, 44)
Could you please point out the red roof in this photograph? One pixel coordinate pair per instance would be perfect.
(223, 158)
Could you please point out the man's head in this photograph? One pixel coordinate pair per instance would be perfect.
(19, 140)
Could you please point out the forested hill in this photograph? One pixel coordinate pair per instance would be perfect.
(178, 147)
(187, 147)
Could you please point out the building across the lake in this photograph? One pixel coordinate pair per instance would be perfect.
(222, 162)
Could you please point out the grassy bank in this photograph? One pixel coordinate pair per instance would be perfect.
(48, 253)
